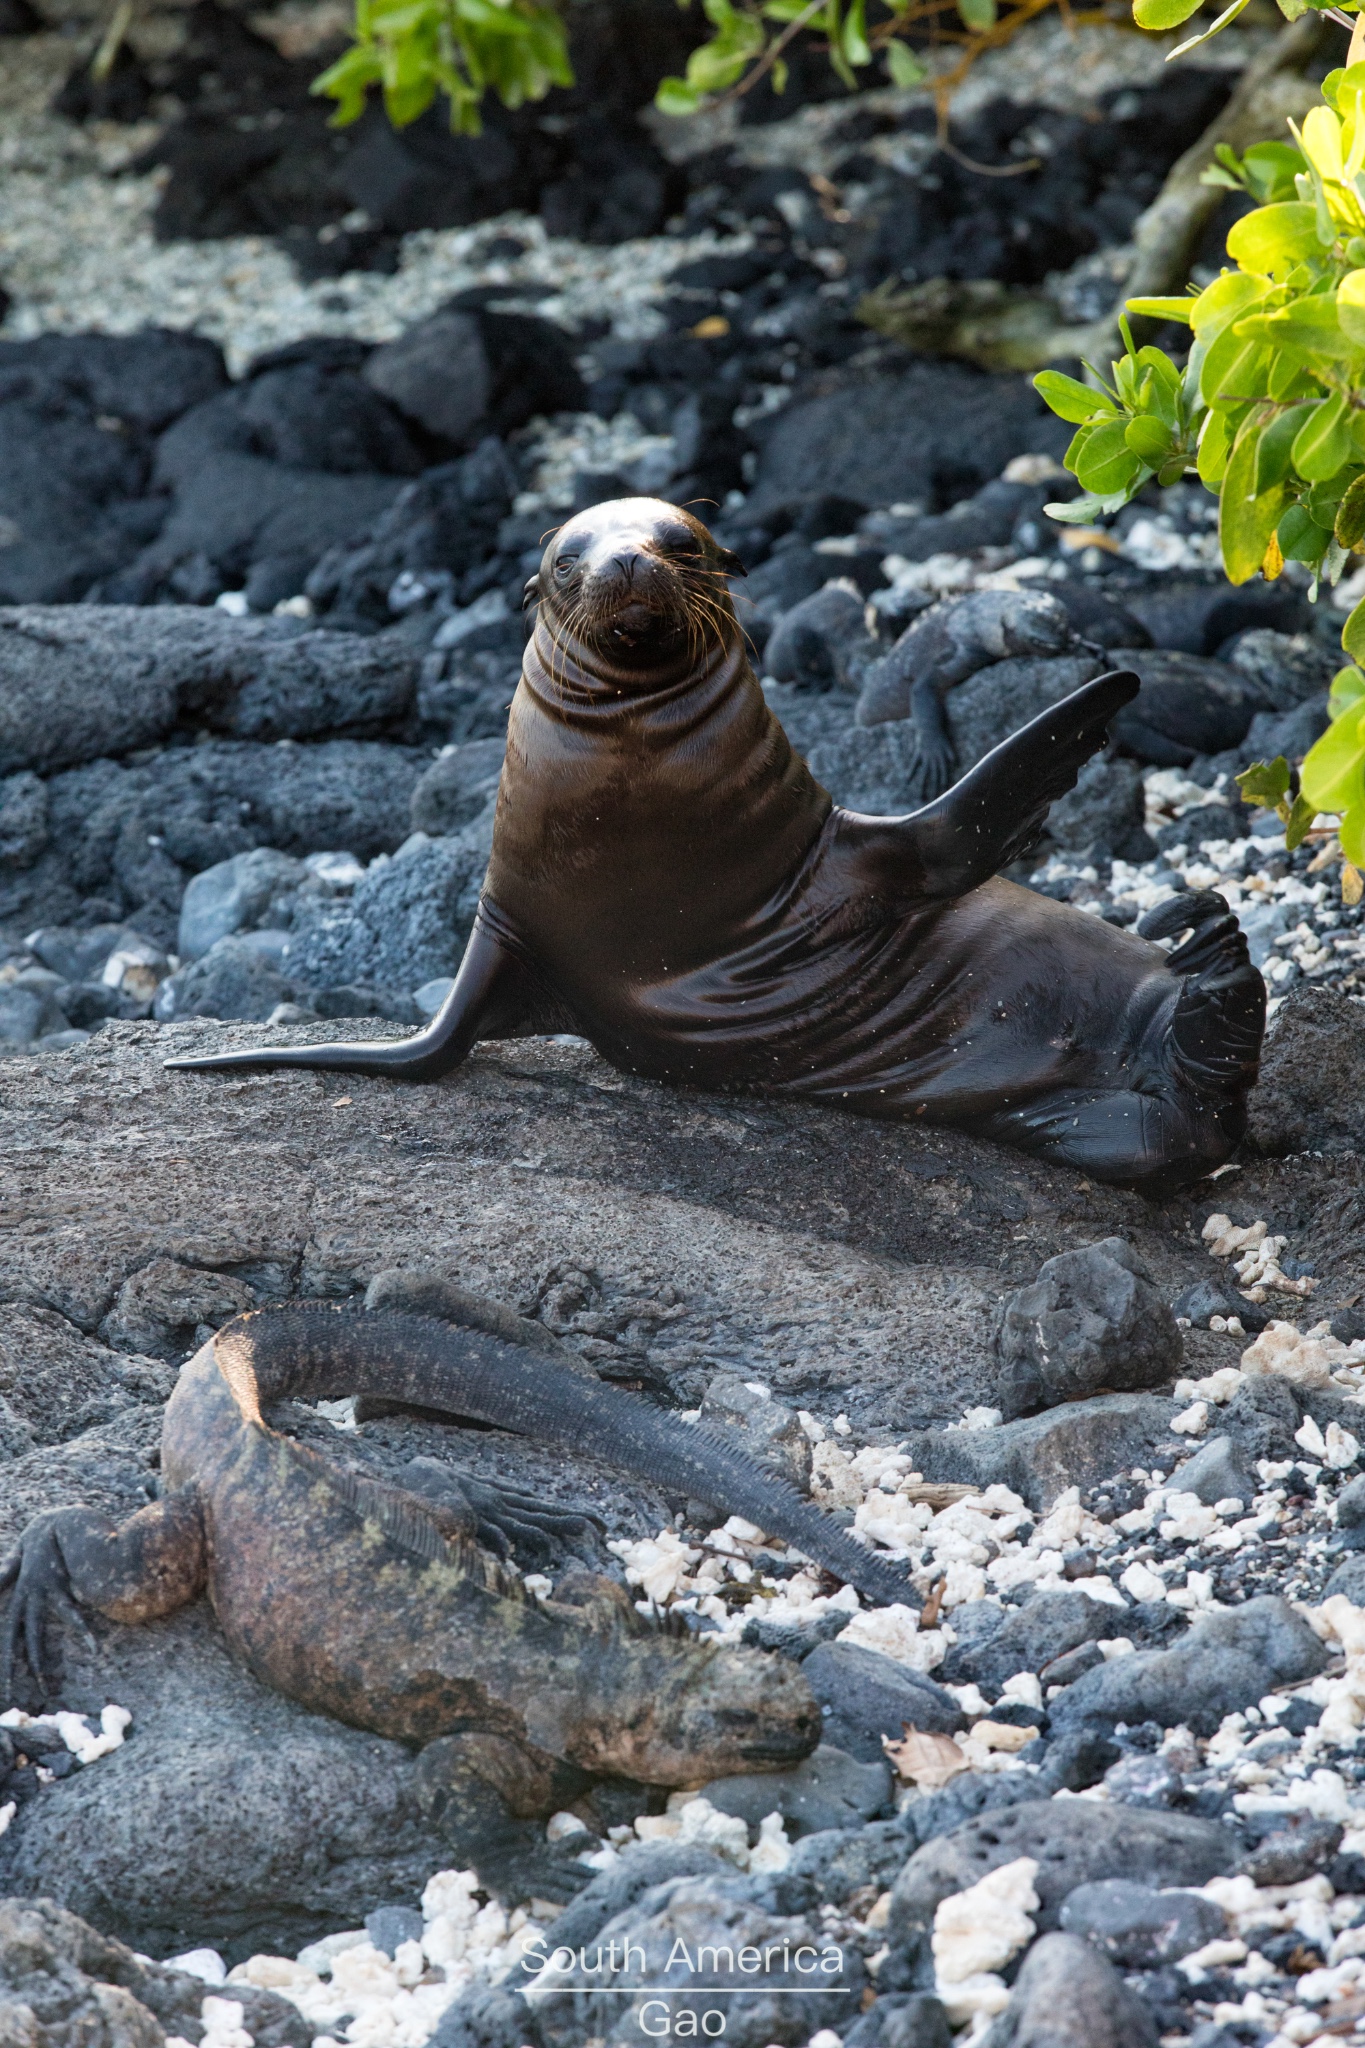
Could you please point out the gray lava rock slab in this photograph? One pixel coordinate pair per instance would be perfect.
(1092, 1320)
(160, 1308)
(59, 1383)
(842, 1861)
(127, 834)
(902, 2019)
(1349, 1579)
(866, 1696)
(642, 1867)
(1292, 1851)
(62, 1985)
(829, 1789)
(1138, 1927)
(1308, 1098)
(1218, 1471)
(457, 787)
(811, 644)
(667, 1927)
(1261, 1419)
(407, 921)
(1040, 1456)
(880, 440)
(78, 682)
(1074, 1841)
(1225, 1662)
(235, 978)
(700, 1225)
(1046, 1626)
(1068, 1995)
(325, 1819)
(1104, 810)
(771, 1430)
(867, 768)
(486, 2016)
(231, 896)
(23, 819)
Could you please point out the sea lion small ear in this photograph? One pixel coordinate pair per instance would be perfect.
(729, 561)
(531, 588)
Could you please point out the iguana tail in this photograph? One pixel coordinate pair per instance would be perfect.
(317, 1352)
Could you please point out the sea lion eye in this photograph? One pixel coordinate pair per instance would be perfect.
(565, 566)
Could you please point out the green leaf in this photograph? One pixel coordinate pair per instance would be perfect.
(1086, 510)
(1301, 816)
(1323, 443)
(1349, 525)
(1332, 767)
(1229, 14)
(1149, 439)
(1269, 169)
(1272, 239)
(903, 66)
(1353, 634)
(1348, 687)
(1235, 366)
(1228, 298)
(1300, 537)
(854, 38)
(1106, 464)
(1245, 521)
(1162, 309)
(1272, 458)
(1215, 446)
(1311, 324)
(1351, 305)
(1067, 396)
(1163, 14)
(1352, 836)
(1265, 783)
(675, 96)
(979, 15)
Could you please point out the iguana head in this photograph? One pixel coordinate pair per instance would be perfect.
(694, 1711)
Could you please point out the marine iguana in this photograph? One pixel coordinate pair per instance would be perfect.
(363, 1601)
(942, 648)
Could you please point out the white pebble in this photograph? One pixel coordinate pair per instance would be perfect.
(979, 1930)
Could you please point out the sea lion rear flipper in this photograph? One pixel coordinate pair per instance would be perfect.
(997, 810)
(492, 994)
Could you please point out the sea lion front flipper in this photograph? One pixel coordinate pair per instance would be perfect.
(491, 995)
(997, 810)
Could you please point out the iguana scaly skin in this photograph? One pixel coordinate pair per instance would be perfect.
(368, 1603)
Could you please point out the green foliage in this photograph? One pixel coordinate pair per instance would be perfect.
(413, 49)
(1269, 411)
(1268, 785)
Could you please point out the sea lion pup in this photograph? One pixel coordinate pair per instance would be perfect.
(669, 879)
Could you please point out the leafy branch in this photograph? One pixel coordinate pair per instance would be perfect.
(1269, 412)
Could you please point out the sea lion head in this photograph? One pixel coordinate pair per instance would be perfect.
(633, 580)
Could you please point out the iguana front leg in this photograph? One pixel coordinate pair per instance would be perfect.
(74, 1558)
(489, 1796)
(931, 770)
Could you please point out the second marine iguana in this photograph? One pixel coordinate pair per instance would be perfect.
(366, 1602)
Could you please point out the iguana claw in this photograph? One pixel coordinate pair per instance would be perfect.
(36, 1578)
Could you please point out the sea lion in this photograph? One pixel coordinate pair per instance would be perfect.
(669, 879)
